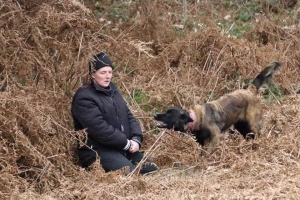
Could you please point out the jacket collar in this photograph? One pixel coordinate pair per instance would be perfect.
(106, 91)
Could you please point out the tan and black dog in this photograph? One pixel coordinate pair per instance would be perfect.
(240, 108)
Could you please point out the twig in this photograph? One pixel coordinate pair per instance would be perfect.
(184, 10)
(149, 151)
(178, 139)
(209, 98)
(129, 93)
(80, 46)
(275, 97)
(43, 171)
(270, 131)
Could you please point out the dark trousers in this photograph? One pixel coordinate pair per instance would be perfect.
(112, 160)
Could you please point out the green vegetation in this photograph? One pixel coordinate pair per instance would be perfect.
(119, 10)
(273, 93)
(139, 96)
(298, 89)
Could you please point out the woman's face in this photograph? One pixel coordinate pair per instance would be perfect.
(103, 76)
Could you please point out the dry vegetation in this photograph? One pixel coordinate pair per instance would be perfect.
(160, 62)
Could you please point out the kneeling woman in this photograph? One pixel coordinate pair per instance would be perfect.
(113, 132)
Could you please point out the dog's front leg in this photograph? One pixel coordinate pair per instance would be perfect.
(215, 138)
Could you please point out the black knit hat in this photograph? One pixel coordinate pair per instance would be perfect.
(100, 60)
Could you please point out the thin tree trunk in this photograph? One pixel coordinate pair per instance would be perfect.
(184, 10)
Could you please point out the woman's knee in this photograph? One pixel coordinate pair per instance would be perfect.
(111, 161)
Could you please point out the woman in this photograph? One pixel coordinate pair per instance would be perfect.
(113, 132)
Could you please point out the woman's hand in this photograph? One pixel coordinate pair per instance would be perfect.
(134, 146)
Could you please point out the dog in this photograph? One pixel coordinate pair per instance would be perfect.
(240, 108)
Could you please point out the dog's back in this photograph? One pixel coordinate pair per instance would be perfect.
(232, 107)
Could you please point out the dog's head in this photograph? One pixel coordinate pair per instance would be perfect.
(174, 118)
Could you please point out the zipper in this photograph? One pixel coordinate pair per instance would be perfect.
(118, 117)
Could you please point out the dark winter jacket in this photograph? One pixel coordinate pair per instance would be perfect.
(106, 117)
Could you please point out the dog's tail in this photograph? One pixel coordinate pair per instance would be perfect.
(265, 76)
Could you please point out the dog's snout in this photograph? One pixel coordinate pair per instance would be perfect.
(157, 116)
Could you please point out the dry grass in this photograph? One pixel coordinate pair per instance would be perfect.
(45, 46)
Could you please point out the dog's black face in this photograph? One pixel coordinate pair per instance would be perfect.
(174, 118)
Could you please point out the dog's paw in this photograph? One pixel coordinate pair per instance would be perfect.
(250, 136)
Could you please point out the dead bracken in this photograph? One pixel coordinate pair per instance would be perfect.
(160, 62)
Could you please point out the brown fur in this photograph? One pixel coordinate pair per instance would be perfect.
(219, 115)
(240, 108)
